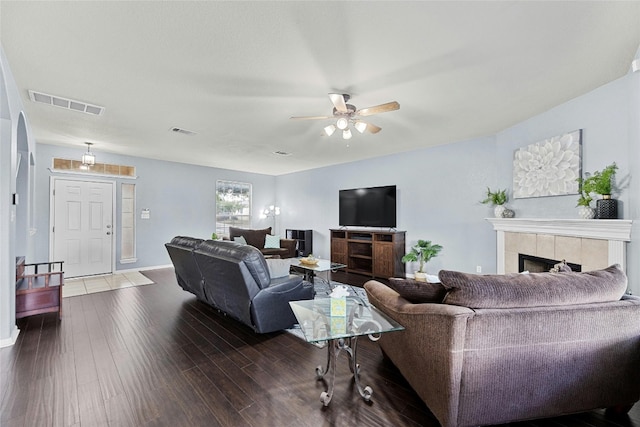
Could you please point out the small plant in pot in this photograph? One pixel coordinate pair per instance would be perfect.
(498, 199)
(584, 205)
(600, 182)
(422, 253)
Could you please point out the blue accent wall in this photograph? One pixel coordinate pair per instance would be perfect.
(439, 188)
(180, 199)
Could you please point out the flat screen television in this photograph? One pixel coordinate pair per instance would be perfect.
(368, 207)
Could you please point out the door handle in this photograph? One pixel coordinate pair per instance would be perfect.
(108, 233)
(109, 226)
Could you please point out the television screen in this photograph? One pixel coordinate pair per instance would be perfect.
(368, 207)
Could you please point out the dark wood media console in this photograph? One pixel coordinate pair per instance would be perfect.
(371, 253)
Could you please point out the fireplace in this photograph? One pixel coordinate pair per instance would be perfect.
(534, 264)
(592, 244)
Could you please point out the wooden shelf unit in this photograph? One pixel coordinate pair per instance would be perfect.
(371, 253)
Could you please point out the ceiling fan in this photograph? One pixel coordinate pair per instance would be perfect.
(347, 114)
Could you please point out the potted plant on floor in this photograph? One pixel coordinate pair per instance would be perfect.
(601, 182)
(422, 252)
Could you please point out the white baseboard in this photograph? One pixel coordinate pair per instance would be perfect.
(8, 342)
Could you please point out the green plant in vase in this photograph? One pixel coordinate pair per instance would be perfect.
(584, 205)
(498, 199)
(422, 252)
(601, 183)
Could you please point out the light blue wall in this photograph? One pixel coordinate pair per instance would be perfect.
(610, 119)
(15, 134)
(180, 198)
(603, 115)
(439, 187)
(438, 199)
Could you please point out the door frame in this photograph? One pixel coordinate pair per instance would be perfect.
(52, 186)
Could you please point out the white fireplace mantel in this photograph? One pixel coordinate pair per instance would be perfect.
(616, 231)
(605, 229)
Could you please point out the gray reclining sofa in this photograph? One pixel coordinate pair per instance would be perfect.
(235, 279)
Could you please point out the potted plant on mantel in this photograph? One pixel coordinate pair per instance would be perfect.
(422, 252)
(600, 182)
(585, 211)
(498, 199)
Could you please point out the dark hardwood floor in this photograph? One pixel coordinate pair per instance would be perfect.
(154, 356)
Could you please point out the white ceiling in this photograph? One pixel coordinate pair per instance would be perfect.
(234, 72)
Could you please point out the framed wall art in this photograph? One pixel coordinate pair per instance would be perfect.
(549, 167)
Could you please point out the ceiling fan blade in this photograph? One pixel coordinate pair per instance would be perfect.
(382, 108)
(373, 128)
(338, 101)
(310, 117)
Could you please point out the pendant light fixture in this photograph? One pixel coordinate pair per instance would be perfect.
(88, 158)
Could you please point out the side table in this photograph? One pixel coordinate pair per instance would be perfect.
(341, 333)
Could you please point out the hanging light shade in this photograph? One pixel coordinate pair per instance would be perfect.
(88, 158)
(346, 134)
(329, 130)
(342, 123)
(360, 126)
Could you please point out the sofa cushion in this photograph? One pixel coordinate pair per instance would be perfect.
(254, 238)
(534, 289)
(271, 242)
(417, 292)
(278, 267)
(240, 239)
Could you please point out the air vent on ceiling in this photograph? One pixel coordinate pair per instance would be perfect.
(69, 104)
(183, 131)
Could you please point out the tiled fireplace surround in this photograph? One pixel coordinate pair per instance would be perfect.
(594, 244)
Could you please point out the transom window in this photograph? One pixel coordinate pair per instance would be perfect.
(233, 206)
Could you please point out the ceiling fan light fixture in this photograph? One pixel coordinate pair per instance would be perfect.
(342, 123)
(360, 126)
(346, 134)
(329, 130)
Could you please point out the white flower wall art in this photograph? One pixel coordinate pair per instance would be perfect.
(549, 167)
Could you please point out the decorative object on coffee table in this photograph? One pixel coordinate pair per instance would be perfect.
(549, 167)
(422, 252)
(498, 199)
(310, 270)
(600, 182)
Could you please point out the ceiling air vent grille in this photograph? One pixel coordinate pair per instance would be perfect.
(183, 131)
(69, 104)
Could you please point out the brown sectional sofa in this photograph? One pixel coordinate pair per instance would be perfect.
(256, 238)
(499, 349)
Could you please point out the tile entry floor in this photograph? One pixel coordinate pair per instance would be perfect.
(91, 284)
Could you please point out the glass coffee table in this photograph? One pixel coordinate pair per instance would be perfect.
(341, 333)
(322, 266)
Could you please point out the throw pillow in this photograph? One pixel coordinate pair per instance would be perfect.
(271, 242)
(240, 239)
(533, 289)
(278, 267)
(418, 292)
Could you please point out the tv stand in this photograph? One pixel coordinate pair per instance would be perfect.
(367, 252)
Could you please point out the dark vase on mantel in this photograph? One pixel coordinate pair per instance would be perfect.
(607, 208)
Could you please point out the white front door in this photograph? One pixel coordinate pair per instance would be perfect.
(83, 226)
